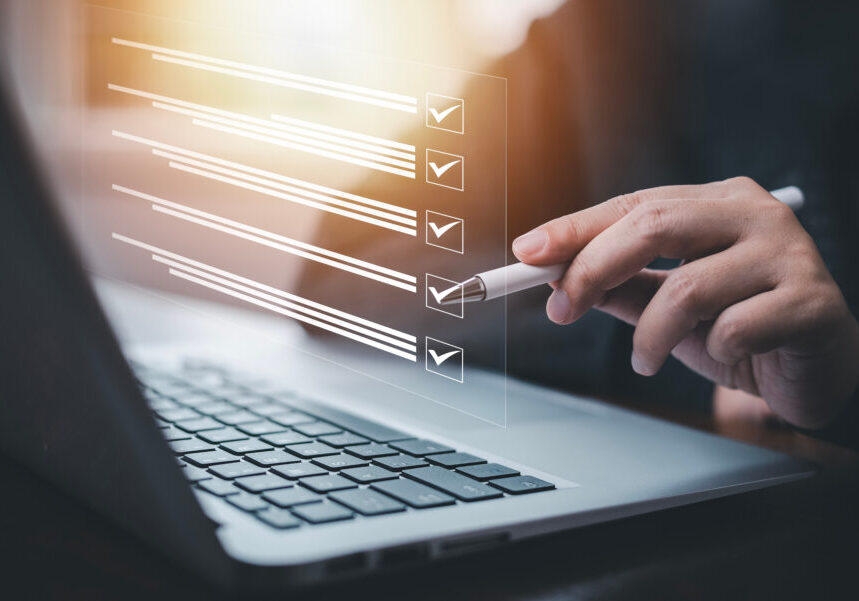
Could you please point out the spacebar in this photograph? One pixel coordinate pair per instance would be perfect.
(372, 430)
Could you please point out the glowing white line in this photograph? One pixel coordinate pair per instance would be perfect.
(293, 315)
(273, 240)
(360, 90)
(285, 83)
(302, 134)
(283, 247)
(273, 184)
(372, 156)
(342, 133)
(303, 148)
(296, 199)
(266, 174)
(279, 129)
(293, 306)
(298, 299)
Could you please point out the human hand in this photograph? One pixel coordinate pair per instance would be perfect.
(752, 307)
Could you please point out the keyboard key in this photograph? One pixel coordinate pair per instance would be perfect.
(400, 462)
(192, 398)
(317, 429)
(311, 450)
(261, 427)
(195, 474)
(278, 518)
(364, 427)
(287, 497)
(370, 473)
(173, 433)
(262, 483)
(222, 435)
(237, 417)
(488, 471)
(413, 493)
(207, 458)
(520, 485)
(267, 409)
(174, 415)
(284, 438)
(268, 458)
(161, 424)
(215, 408)
(204, 379)
(299, 470)
(228, 471)
(370, 451)
(198, 425)
(240, 447)
(291, 418)
(461, 487)
(168, 389)
(281, 397)
(222, 488)
(224, 391)
(320, 513)
(327, 483)
(190, 445)
(339, 462)
(247, 502)
(455, 459)
(247, 400)
(160, 403)
(346, 439)
(420, 448)
(367, 502)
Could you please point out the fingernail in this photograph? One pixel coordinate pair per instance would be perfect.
(558, 306)
(530, 243)
(638, 366)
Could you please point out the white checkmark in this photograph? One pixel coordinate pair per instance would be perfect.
(439, 359)
(439, 171)
(439, 296)
(439, 116)
(439, 231)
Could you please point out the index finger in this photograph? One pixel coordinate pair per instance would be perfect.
(561, 239)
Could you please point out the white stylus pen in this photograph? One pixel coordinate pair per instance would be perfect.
(520, 276)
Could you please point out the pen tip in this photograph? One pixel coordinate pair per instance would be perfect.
(470, 290)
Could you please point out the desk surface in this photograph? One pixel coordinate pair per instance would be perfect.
(795, 541)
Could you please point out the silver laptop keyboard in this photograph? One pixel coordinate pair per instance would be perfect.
(266, 454)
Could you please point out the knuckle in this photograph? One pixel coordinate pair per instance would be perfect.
(728, 339)
(583, 274)
(741, 181)
(650, 220)
(569, 231)
(683, 291)
(561, 233)
(802, 259)
(779, 213)
(825, 304)
(626, 203)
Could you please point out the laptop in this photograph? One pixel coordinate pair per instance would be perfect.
(269, 468)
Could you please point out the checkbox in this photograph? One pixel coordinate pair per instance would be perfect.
(445, 112)
(437, 288)
(445, 231)
(445, 169)
(444, 359)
